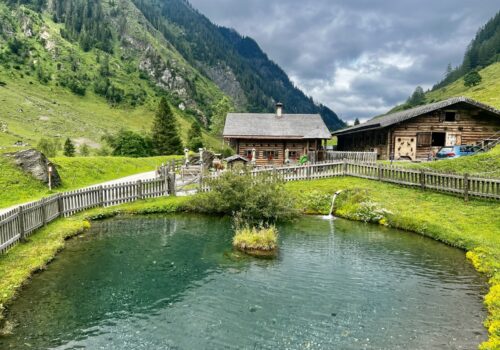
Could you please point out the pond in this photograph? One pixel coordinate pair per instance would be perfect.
(174, 283)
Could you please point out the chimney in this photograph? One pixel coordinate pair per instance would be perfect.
(279, 109)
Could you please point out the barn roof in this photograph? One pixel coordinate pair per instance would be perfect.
(269, 125)
(235, 158)
(398, 117)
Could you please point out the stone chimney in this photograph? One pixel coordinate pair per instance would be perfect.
(279, 109)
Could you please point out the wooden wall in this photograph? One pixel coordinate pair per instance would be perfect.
(471, 125)
(279, 146)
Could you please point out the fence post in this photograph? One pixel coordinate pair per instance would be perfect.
(60, 205)
(200, 180)
(22, 232)
(422, 179)
(171, 184)
(344, 167)
(44, 212)
(466, 187)
(101, 196)
(379, 174)
(139, 189)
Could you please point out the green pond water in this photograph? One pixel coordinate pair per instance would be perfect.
(174, 283)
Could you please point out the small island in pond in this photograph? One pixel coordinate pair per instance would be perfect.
(258, 242)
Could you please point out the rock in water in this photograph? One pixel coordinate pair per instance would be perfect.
(36, 164)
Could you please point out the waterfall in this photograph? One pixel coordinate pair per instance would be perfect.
(334, 198)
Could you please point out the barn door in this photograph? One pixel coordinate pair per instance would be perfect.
(453, 139)
(406, 148)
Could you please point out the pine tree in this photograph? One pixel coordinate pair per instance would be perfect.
(417, 98)
(69, 148)
(356, 121)
(195, 137)
(165, 137)
(472, 79)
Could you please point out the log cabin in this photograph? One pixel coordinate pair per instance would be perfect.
(275, 138)
(420, 132)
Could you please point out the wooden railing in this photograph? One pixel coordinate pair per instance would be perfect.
(332, 156)
(463, 185)
(20, 222)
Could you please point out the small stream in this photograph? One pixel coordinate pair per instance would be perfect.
(175, 283)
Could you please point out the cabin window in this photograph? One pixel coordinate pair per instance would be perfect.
(294, 155)
(438, 139)
(424, 139)
(450, 116)
(270, 155)
(248, 154)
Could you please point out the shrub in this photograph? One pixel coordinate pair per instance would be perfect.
(129, 144)
(258, 200)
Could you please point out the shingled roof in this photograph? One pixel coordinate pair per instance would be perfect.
(269, 125)
(398, 117)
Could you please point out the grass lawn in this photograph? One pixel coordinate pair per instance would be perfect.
(76, 172)
(483, 164)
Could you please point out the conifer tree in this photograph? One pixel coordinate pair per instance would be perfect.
(356, 121)
(195, 137)
(69, 148)
(165, 137)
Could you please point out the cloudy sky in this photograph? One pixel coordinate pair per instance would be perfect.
(359, 57)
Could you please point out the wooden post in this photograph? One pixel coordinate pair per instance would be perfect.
(44, 212)
(422, 179)
(344, 167)
(60, 205)
(466, 187)
(379, 172)
(171, 184)
(20, 216)
(139, 189)
(101, 196)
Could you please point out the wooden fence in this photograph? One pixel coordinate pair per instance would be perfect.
(332, 156)
(20, 222)
(463, 185)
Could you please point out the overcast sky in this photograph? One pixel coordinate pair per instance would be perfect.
(359, 57)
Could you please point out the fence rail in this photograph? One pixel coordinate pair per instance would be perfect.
(332, 156)
(20, 222)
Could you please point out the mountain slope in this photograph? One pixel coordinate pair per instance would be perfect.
(83, 68)
(55, 82)
(237, 64)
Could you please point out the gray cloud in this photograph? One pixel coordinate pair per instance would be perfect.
(359, 57)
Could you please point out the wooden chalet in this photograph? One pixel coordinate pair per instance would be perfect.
(418, 132)
(275, 138)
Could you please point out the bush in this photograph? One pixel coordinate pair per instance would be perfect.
(48, 147)
(129, 144)
(260, 200)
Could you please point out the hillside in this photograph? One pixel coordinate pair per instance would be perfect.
(83, 68)
(488, 91)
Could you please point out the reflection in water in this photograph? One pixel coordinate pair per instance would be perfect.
(175, 283)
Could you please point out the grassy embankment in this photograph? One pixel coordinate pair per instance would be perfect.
(18, 187)
(473, 226)
(483, 164)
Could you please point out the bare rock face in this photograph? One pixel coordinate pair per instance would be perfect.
(36, 164)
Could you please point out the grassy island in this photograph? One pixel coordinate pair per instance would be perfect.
(257, 241)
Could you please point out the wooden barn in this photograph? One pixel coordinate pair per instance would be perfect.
(418, 132)
(275, 138)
